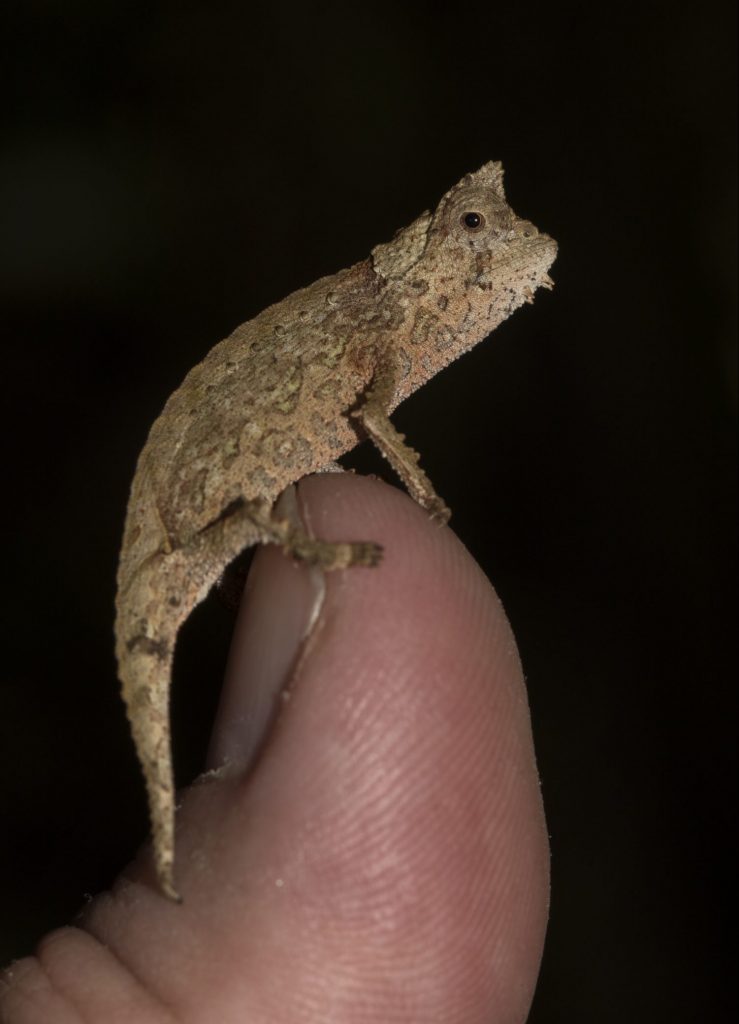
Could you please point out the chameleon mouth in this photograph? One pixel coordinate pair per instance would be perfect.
(545, 246)
(535, 254)
(549, 249)
(546, 254)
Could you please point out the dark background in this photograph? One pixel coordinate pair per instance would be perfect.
(170, 169)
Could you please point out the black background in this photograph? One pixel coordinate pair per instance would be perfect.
(169, 170)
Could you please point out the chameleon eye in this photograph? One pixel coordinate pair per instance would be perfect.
(472, 220)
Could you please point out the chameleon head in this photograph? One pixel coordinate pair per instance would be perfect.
(492, 249)
(461, 271)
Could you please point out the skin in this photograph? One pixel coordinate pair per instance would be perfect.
(284, 396)
(384, 858)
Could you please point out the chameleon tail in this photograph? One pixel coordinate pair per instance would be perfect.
(145, 666)
(153, 603)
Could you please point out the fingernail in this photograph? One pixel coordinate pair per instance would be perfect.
(276, 612)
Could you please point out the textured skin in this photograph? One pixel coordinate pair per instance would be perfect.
(283, 396)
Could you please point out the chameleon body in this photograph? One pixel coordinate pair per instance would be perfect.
(283, 396)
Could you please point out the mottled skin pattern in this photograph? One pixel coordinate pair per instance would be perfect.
(283, 396)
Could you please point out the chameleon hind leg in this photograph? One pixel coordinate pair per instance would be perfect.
(151, 611)
(298, 544)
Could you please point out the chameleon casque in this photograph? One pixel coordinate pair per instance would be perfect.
(284, 396)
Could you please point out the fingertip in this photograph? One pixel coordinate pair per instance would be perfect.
(390, 837)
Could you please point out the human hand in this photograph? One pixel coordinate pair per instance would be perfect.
(384, 858)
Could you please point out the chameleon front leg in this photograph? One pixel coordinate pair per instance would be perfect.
(373, 415)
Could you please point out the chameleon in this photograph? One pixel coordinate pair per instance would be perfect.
(285, 395)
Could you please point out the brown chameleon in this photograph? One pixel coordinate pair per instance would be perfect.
(283, 396)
